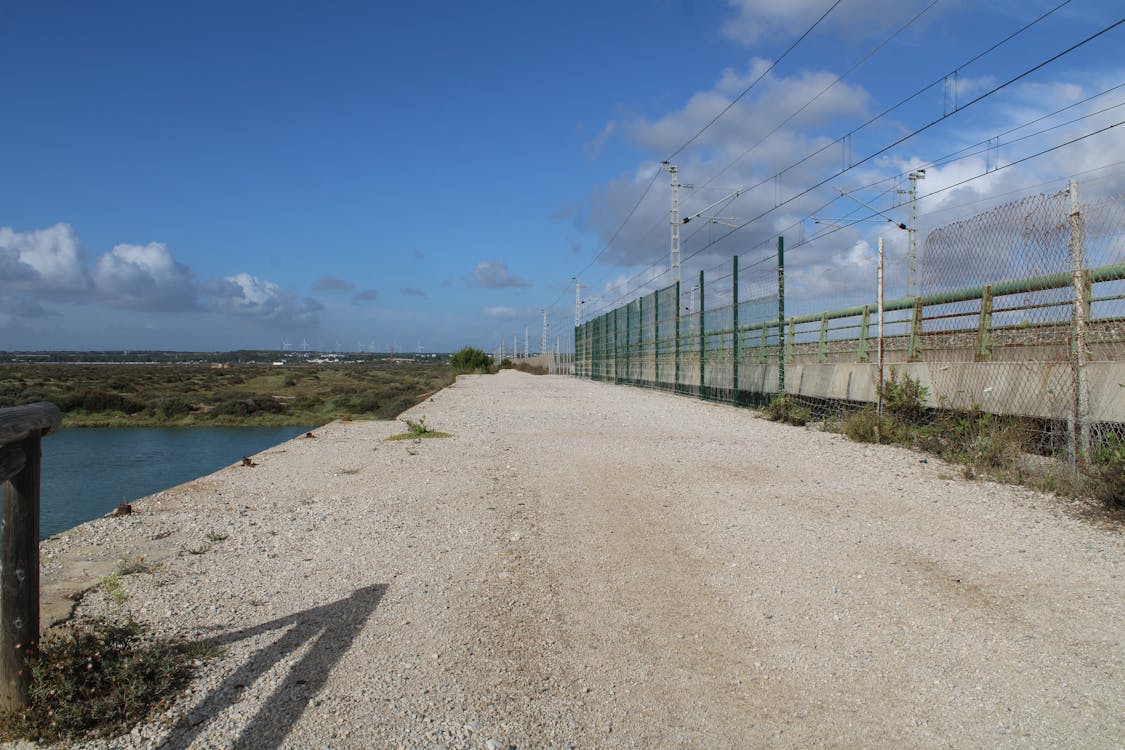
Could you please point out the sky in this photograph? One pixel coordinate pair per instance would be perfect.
(424, 176)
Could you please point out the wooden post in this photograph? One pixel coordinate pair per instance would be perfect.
(19, 577)
(21, 432)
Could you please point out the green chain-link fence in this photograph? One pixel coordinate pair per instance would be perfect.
(1021, 314)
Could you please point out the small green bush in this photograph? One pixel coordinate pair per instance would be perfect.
(786, 409)
(97, 400)
(470, 360)
(416, 429)
(172, 406)
(862, 426)
(1107, 473)
(904, 400)
(98, 679)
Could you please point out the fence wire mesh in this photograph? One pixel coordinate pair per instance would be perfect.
(1020, 315)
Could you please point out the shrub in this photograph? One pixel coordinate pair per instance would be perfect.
(98, 679)
(96, 400)
(785, 409)
(173, 406)
(471, 360)
(904, 400)
(1107, 473)
(506, 364)
(862, 426)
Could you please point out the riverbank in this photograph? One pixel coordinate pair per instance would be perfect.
(588, 565)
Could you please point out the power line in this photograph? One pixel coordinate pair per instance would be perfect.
(821, 93)
(745, 91)
(890, 109)
(917, 131)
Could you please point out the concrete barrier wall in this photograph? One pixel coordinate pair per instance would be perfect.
(1010, 388)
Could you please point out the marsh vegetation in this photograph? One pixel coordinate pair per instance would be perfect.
(189, 395)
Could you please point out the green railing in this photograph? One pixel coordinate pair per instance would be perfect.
(711, 353)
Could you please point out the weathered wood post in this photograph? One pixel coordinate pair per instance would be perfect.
(21, 431)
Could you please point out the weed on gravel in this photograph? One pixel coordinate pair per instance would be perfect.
(417, 430)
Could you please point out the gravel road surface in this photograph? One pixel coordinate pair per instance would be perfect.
(592, 566)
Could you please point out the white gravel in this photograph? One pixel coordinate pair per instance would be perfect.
(586, 565)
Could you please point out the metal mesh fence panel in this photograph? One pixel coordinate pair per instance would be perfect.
(1103, 245)
(1021, 316)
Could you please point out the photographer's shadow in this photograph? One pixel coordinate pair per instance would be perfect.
(331, 628)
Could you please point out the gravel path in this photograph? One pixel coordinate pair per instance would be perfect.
(584, 565)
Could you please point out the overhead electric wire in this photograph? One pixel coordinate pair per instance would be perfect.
(745, 91)
(609, 244)
(970, 179)
(919, 130)
(909, 98)
(912, 96)
(901, 140)
(823, 91)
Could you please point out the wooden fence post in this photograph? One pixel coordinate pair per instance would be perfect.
(21, 432)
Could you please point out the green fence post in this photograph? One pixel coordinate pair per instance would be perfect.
(676, 385)
(864, 355)
(656, 337)
(762, 356)
(737, 343)
(984, 327)
(616, 349)
(640, 341)
(628, 339)
(702, 340)
(781, 348)
(595, 350)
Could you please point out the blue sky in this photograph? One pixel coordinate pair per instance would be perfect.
(213, 175)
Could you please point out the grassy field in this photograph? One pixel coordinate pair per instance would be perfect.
(183, 395)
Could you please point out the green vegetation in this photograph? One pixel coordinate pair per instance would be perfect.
(417, 430)
(98, 678)
(470, 360)
(190, 395)
(1107, 473)
(1003, 447)
(786, 409)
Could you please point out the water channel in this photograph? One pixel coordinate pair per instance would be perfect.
(89, 472)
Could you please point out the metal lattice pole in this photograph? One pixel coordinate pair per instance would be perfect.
(674, 221)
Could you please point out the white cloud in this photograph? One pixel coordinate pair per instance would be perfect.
(754, 20)
(500, 312)
(144, 277)
(42, 260)
(248, 296)
(493, 275)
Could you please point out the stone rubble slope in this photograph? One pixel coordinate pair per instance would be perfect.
(587, 565)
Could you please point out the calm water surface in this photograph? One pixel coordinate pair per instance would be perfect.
(89, 472)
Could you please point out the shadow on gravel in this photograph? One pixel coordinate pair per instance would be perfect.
(331, 628)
